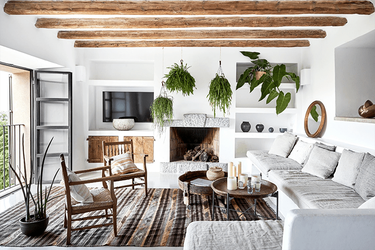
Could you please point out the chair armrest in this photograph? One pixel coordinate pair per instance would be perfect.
(101, 179)
(329, 229)
(91, 170)
(107, 158)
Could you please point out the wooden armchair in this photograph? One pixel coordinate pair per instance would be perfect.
(111, 149)
(103, 199)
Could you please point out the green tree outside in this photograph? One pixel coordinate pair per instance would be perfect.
(4, 132)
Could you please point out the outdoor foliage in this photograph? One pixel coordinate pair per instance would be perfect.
(4, 151)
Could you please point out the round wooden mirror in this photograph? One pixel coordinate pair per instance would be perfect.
(315, 119)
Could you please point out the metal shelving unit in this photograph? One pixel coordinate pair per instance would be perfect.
(52, 118)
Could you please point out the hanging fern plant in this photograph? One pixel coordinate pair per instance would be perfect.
(179, 79)
(220, 93)
(162, 110)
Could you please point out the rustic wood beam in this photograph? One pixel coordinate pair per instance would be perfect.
(191, 34)
(189, 7)
(186, 22)
(193, 43)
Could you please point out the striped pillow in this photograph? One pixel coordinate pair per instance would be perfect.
(123, 164)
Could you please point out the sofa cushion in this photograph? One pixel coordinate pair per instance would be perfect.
(283, 144)
(309, 191)
(365, 182)
(80, 193)
(223, 235)
(301, 151)
(348, 168)
(325, 146)
(368, 204)
(321, 162)
(266, 162)
(123, 164)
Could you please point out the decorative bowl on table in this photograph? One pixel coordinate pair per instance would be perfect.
(123, 124)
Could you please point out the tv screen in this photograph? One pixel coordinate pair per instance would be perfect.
(127, 105)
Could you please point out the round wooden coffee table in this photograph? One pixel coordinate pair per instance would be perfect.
(268, 189)
(184, 183)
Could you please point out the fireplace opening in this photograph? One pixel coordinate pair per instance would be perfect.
(194, 144)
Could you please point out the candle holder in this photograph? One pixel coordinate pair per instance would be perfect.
(249, 186)
(232, 183)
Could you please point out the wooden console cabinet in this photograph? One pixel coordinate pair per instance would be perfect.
(142, 145)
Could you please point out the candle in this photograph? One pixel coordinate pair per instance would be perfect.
(230, 169)
(239, 170)
(231, 183)
(243, 179)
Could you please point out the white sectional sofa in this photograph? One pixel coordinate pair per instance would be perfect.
(321, 187)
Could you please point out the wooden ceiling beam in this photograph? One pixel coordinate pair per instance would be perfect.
(193, 43)
(191, 34)
(186, 22)
(210, 7)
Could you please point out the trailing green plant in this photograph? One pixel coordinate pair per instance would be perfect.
(41, 199)
(220, 93)
(179, 79)
(270, 82)
(162, 110)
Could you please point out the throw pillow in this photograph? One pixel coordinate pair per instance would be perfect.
(301, 152)
(79, 192)
(123, 164)
(321, 162)
(365, 183)
(325, 146)
(368, 204)
(348, 168)
(283, 144)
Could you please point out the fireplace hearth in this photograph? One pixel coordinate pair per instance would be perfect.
(194, 144)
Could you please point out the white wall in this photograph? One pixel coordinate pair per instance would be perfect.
(203, 62)
(321, 59)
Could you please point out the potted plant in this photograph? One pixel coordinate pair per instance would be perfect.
(269, 82)
(179, 79)
(162, 110)
(36, 223)
(220, 93)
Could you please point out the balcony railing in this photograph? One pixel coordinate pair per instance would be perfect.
(10, 153)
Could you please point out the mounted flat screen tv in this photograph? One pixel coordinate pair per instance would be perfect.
(127, 105)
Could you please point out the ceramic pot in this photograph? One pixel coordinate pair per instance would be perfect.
(270, 129)
(214, 173)
(259, 127)
(283, 130)
(245, 126)
(33, 228)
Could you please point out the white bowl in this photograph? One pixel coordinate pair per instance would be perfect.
(123, 124)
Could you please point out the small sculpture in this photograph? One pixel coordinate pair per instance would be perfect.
(367, 110)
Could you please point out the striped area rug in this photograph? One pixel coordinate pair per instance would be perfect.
(160, 219)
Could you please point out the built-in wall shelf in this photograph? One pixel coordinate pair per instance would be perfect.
(355, 119)
(256, 134)
(265, 110)
(122, 83)
(132, 132)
